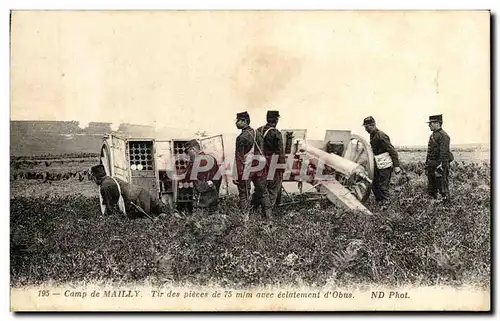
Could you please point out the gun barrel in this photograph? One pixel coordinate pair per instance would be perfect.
(338, 163)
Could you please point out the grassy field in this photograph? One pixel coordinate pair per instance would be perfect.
(58, 235)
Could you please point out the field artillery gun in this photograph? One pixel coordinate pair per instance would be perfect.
(340, 167)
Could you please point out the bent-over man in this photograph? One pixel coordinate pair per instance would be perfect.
(120, 197)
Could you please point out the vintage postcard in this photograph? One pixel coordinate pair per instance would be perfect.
(250, 161)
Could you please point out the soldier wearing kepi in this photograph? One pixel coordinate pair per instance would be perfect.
(386, 160)
(438, 159)
(273, 148)
(250, 143)
(120, 197)
(206, 181)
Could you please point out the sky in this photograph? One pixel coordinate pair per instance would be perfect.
(321, 69)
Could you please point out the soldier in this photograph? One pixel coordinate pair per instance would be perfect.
(273, 147)
(248, 143)
(121, 197)
(438, 159)
(206, 182)
(386, 159)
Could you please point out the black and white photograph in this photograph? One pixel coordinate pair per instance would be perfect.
(219, 160)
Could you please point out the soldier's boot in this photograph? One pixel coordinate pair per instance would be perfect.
(212, 210)
(254, 203)
(277, 202)
(432, 190)
(432, 195)
(243, 194)
(243, 204)
(267, 214)
(267, 209)
(384, 204)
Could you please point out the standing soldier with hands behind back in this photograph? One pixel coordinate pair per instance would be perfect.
(386, 159)
(273, 147)
(438, 159)
(249, 143)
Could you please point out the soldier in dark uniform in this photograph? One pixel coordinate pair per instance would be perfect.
(119, 196)
(438, 159)
(249, 143)
(386, 160)
(273, 147)
(206, 183)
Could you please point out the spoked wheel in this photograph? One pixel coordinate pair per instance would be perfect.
(359, 151)
(105, 160)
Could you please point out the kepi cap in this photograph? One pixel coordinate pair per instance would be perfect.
(272, 114)
(243, 115)
(98, 171)
(193, 143)
(368, 121)
(435, 118)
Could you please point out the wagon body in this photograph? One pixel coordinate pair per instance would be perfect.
(157, 164)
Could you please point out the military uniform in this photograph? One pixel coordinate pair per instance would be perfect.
(130, 193)
(249, 139)
(273, 145)
(438, 161)
(205, 185)
(381, 143)
(114, 190)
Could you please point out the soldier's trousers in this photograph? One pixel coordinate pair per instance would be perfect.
(261, 194)
(209, 199)
(438, 184)
(274, 189)
(380, 185)
(149, 204)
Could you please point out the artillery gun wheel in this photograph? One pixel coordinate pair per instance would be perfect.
(359, 151)
(105, 160)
